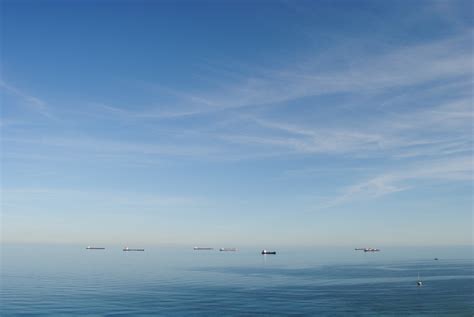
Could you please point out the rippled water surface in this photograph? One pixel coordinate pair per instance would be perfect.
(59, 280)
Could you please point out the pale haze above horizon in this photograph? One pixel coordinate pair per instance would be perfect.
(231, 123)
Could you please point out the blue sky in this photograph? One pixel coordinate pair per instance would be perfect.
(237, 123)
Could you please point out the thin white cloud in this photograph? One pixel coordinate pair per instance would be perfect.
(397, 135)
(437, 130)
(447, 170)
(448, 59)
(37, 104)
(442, 60)
(147, 114)
(401, 134)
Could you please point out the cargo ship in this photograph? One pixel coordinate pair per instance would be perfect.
(94, 248)
(227, 249)
(130, 249)
(367, 249)
(268, 252)
(371, 250)
(203, 248)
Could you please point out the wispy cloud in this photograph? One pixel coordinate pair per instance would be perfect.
(144, 114)
(36, 104)
(412, 65)
(438, 65)
(439, 129)
(442, 60)
(397, 131)
(447, 170)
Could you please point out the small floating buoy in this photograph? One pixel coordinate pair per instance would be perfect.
(419, 282)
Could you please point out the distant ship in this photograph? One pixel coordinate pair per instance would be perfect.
(203, 248)
(227, 249)
(94, 248)
(129, 249)
(367, 249)
(371, 250)
(268, 252)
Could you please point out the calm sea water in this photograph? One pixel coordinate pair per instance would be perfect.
(65, 281)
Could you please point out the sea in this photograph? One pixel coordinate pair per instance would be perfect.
(68, 280)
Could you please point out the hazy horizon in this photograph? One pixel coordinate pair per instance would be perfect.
(237, 123)
(257, 246)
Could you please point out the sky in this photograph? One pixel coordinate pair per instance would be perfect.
(235, 123)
